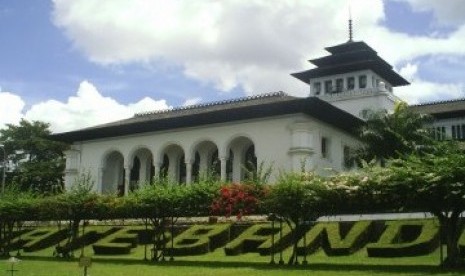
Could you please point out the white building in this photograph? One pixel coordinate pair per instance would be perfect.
(449, 118)
(226, 137)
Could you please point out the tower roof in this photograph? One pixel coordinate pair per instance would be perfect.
(349, 57)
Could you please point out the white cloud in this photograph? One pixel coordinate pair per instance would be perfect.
(448, 12)
(87, 108)
(192, 101)
(424, 91)
(421, 90)
(11, 107)
(409, 71)
(251, 44)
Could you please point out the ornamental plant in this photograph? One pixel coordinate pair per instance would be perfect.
(238, 200)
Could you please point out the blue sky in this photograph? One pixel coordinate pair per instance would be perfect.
(84, 62)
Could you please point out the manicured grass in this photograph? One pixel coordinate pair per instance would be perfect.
(216, 263)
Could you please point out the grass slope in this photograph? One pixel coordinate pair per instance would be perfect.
(216, 263)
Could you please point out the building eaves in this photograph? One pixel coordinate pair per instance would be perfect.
(441, 109)
(234, 110)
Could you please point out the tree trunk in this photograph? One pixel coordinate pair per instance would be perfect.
(295, 240)
(450, 228)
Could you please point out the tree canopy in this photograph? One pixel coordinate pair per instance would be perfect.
(35, 162)
(391, 135)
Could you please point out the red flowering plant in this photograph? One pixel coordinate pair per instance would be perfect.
(237, 200)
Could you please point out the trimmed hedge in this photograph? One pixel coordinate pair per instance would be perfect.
(199, 239)
(92, 235)
(335, 238)
(314, 239)
(41, 238)
(406, 238)
(16, 241)
(257, 238)
(121, 241)
(338, 243)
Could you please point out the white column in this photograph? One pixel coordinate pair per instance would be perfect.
(127, 177)
(173, 167)
(223, 161)
(203, 166)
(101, 172)
(237, 165)
(156, 174)
(188, 172)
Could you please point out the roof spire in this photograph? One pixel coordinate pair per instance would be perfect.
(350, 25)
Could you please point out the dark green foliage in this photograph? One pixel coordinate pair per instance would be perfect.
(199, 239)
(406, 238)
(41, 238)
(391, 135)
(37, 162)
(15, 207)
(299, 198)
(433, 182)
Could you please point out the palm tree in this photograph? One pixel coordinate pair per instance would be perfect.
(392, 135)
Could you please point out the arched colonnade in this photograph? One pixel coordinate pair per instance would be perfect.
(119, 173)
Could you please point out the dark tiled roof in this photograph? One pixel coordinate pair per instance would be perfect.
(261, 106)
(442, 109)
(350, 57)
(201, 108)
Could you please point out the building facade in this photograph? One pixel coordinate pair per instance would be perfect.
(448, 118)
(232, 138)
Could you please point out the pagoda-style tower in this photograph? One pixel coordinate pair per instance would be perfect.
(353, 78)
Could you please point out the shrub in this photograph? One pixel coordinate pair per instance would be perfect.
(257, 238)
(238, 200)
(41, 238)
(338, 244)
(406, 238)
(118, 243)
(199, 239)
(92, 235)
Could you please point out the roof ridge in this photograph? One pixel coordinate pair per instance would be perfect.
(222, 102)
(439, 102)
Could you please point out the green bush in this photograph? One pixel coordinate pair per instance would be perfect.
(199, 239)
(257, 238)
(406, 238)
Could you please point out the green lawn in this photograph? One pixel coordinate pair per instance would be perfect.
(216, 263)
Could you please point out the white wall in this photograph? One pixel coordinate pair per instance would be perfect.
(279, 141)
(374, 96)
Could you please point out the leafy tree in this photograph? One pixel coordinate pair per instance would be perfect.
(391, 135)
(77, 205)
(433, 182)
(35, 161)
(298, 198)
